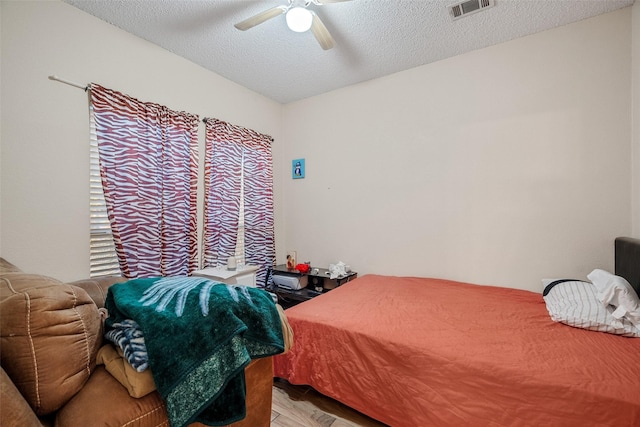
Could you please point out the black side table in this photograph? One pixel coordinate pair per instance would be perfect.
(319, 279)
(318, 282)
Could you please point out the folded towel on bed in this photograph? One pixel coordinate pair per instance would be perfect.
(199, 335)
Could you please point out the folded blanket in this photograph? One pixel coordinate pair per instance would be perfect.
(128, 336)
(138, 384)
(199, 335)
(129, 340)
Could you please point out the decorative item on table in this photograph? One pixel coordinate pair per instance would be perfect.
(231, 263)
(303, 268)
(291, 260)
(338, 270)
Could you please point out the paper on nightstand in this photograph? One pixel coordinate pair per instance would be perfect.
(337, 270)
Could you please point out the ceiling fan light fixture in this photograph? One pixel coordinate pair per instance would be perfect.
(299, 19)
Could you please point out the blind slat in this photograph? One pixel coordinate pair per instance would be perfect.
(103, 260)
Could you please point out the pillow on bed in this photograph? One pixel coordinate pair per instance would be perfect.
(615, 290)
(576, 304)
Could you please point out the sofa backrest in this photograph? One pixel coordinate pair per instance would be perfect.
(50, 333)
(97, 288)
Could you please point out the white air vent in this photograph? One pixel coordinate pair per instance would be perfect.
(469, 7)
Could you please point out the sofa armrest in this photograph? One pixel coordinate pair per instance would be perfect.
(259, 380)
(97, 288)
(15, 412)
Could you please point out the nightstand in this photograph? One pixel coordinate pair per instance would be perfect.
(245, 276)
(319, 279)
(318, 282)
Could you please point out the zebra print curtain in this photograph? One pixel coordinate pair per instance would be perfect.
(148, 164)
(233, 152)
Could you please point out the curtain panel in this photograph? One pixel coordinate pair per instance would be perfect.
(236, 155)
(148, 165)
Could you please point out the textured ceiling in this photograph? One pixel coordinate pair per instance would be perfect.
(373, 37)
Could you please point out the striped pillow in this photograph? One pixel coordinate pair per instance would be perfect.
(574, 303)
(616, 291)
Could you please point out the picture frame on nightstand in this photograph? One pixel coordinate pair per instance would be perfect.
(291, 260)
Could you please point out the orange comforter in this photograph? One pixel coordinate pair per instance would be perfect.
(425, 352)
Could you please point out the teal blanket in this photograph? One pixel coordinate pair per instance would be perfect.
(199, 335)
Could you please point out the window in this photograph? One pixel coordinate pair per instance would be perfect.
(238, 217)
(238, 202)
(240, 238)
(148, 167)
(103, 260)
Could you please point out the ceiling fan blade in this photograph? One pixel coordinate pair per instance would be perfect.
(321, 33)
(261, 17)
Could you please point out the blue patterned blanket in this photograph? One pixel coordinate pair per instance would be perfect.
(128, 336)
(199, 336)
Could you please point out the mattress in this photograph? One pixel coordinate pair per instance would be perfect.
(428, 352)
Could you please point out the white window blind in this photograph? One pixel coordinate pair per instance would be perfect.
(103, 260)
(240, 258)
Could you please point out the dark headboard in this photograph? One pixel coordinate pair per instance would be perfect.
(628, 260)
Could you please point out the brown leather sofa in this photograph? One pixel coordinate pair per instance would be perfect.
(50, 335)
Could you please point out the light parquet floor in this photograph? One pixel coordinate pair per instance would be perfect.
(302, 406)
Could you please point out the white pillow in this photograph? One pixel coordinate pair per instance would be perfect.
(575, 303)
(615, 290)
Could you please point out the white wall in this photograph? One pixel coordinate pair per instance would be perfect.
(501, 166)
(44, 141)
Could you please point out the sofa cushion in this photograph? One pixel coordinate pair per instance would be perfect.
(120, 409)
(104, 398)
(50, 333)
(7, 267)
(12, 283)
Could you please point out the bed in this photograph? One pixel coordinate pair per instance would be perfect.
(413, 352)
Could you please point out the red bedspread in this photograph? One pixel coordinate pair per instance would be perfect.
(425, 352)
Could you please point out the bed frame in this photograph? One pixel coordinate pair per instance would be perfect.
(627, 265)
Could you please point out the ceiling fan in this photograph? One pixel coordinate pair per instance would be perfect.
(299, 19)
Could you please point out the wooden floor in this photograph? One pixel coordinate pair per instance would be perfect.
(302, 406)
